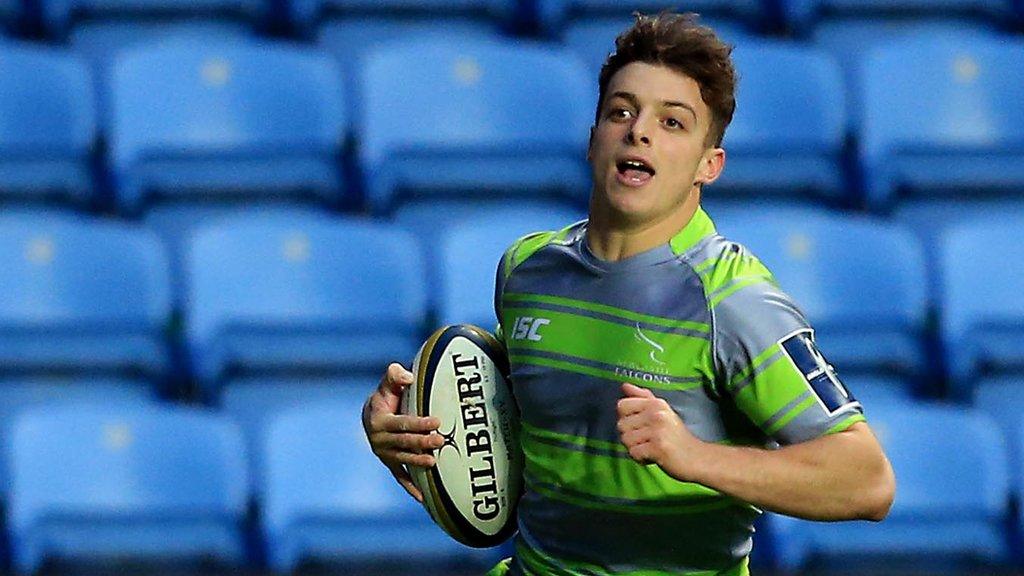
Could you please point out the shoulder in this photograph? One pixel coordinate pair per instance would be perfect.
(528, 245)
(725, 266)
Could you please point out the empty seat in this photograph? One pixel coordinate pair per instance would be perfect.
(255, 402)
(237, 120)
(786, 138)
(328, 499)
(20, 395)
(10, 13)
(468, 255)
(290, 294)
(145, 482)
(59, 16)
(982, 306)
(47, 124)
(943, 118)
(861, 283)
(848, 39)
(951, 503)
(554, 14)
(1002, 398)
(305, 14)
(82, 296)
(414, 145)
(803, 14)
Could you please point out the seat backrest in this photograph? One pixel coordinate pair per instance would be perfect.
(469, 255)
(982, 286)
(68, 274)
(843, 271)
(950, 97)
(47, 107)
(410, 89)
(811, 101)
(94, 460)
(291, 270)
(951, 462)
(230, 98)
(305, 13)
(318, 464)
(801, 14)
(59, 15)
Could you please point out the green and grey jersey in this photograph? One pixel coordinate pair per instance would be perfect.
(700, 322)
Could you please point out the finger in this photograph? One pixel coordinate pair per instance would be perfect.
(635, 391)
(397, 423)
(409, 442)
(405, 480)
(391, 456)
(395, 379)
(642, 453)
(627, 406)
(636, 437)
(632, 422)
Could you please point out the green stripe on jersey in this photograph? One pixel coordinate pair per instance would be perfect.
(570, 366)
(609, 310)
(607, 476)
(772, 389)
(537, 562)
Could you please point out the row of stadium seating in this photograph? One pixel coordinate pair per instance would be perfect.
(106, 471)
(236, 119)
(57, 16)
(295, 291)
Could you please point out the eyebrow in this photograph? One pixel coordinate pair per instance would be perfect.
(632, 99)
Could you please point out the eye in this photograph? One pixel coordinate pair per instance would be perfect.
(620, 114)
(673, 123)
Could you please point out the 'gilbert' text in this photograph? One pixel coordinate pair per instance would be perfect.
(482, 477)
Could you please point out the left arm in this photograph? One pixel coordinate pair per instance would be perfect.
(840, 476)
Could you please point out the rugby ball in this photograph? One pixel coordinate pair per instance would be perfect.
(461, 376)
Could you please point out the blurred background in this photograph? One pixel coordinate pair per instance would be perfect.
(221, 219)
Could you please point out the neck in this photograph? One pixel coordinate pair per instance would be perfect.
(612, 239)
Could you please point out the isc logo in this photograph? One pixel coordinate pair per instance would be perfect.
(527, 327)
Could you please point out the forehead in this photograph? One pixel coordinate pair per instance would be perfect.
(653, 83)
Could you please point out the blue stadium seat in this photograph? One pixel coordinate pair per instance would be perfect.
(468, 254)
(241, 120)
(873, 390)
(60, 16)
(951, 503)
(592, 39)
(943, 118)
(411, 144)
(255, 402)
(148, 482)
(47, 124)
(1002, 398)
(982, 306)
(306, 14)
(803, 14)
(861, 283)
(175, 223)
(328, 498)
(20, 395)
(285, 294)
(82, 296)
(847, 40)
(555, 14)
(786, 138)
(10, 13)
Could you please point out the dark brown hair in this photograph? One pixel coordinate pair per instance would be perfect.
(679, 42)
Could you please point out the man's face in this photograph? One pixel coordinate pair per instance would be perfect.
(647, 150)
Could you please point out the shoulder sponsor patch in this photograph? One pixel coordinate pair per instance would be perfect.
(820, 375)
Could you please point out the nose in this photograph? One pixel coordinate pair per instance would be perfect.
(638, 134)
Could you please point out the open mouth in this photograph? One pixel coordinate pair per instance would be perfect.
(635, 172)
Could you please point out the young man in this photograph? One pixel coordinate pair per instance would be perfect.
(667, 359)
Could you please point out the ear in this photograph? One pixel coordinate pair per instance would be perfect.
(711, 165)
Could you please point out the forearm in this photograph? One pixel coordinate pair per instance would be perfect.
(841, 476)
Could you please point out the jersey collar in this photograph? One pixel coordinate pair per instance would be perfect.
(700, 226)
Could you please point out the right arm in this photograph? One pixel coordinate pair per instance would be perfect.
(399, 440)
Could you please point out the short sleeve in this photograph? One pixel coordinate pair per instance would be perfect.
(767, 360)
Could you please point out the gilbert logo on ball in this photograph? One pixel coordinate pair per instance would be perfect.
(461, 377)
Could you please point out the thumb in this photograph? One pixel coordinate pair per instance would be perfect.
(636, 391)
